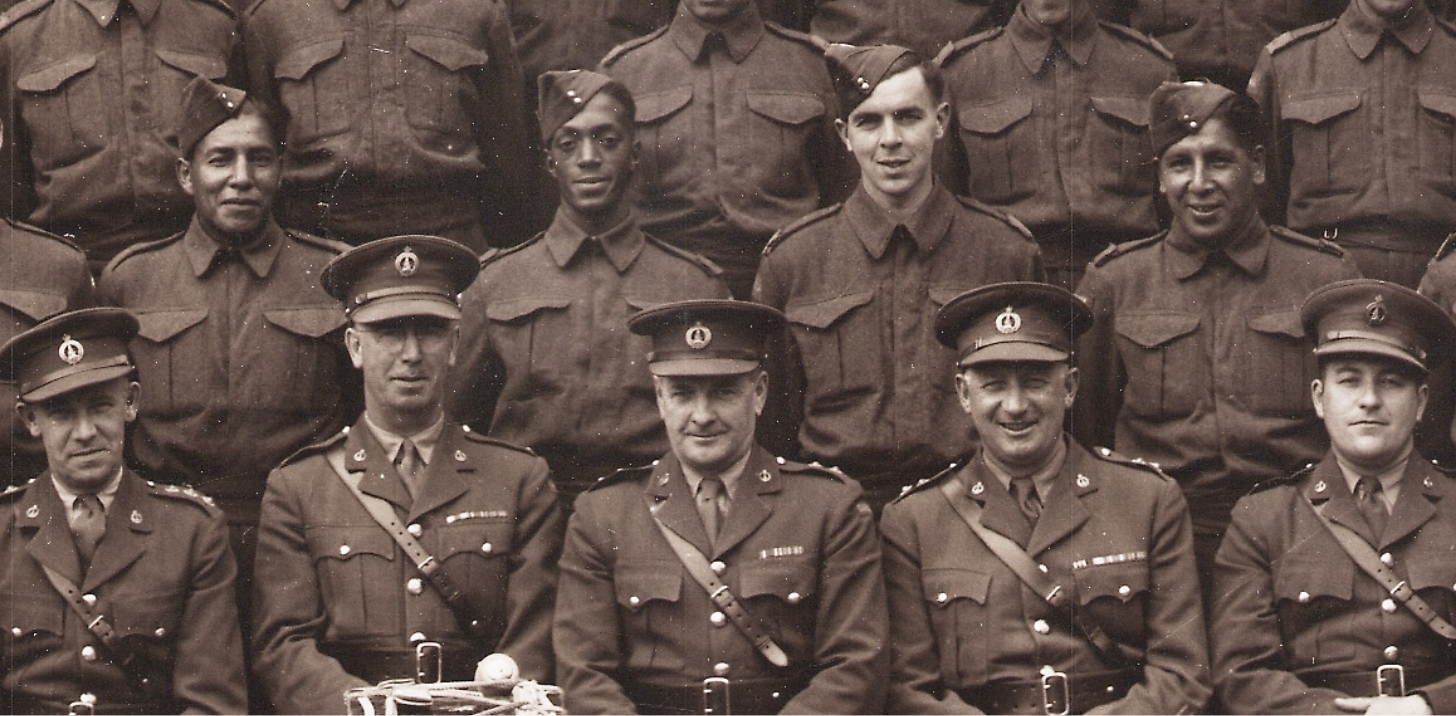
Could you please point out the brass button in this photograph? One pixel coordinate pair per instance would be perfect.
(1387, 559)
(414, 586)
(1391, 653)
(1303, 597)
(417, 637)
(718, 568)
(794, 598)
(1388, 606)
(160, 632)
(633, 600)
(718, 619)
(942, 598)
(16, 631)
(486, 548)
(1042, 567)
(88, 653)
(1124, 590)
(721, 668)
(415, 530)
(343, 549)
(89, 599)
(1041, 627)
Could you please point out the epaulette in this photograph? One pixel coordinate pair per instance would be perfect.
(701, 261)
(12, 493)
(142, 247)
(184, 493)
(811, 468)
(1109, 455)
(330, 245)
(1299, 239)
(815, 42)
(475, 437)
(1114, 250)
(1446, 246)
(42, 233)
(803, 221)
(623, 475)
(1447, 470)
(495, 254)
(992, 211)
(925, 482)
(20, 10)
(1274, 482)
(317, 448)
(959, 47)
(1289, 38)
(1147, 41)
(632, 44)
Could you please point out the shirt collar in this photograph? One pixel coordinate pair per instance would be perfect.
(1043, 480)
(424, 440)
(204, 252)
(741, 33)
(1033, 41)
(1249, 250)
(107, 494)
(1363, 29)
(105, 10)
(730, 477)
(875, 227)
(622, 243)
(1389, 478)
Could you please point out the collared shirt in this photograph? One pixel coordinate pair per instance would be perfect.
(1389, 478)
(1364, 114)
(107, 494)
(424, 440)
(730, 477)
(91, 89)
(1198, 362)
(1054, 129)
(1043, 480)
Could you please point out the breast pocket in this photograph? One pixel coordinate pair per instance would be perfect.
(172, 357)
(956, 602)
(1159, 16)
(1437, 128)
(1330, 142)
(1433, 575)
(839, 343)
(532, 334)
(353, 562)
(1001, 147)
(779, 132)
(782, 595)
(61, 105)
(647, 599)
(665, 143)
(31, 627)
(1117, 132)
(477, 553)
(1279, 364)
(297, 362)
(1317, 619)
(315, 87)
(176, 68)
(147, 623)
(1116, 595)
(1163, 360)
(441, 72)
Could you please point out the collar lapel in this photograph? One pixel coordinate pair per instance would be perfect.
(1327, 486)
(752, 505)
(52, 544)
(126, 537)
(362, 453)
(1064, 511)
(443, 479)
(999, 512)
(1414, 508)
(668, 498)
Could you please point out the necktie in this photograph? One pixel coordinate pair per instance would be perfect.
(708, 505)
(1024, 491)
(411, 467)
(88, 525)
(1367, 496)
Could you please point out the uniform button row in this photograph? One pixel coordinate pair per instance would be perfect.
(718, 619)
(1391, 653)
(721, 668)
(414, 586)
(1387, 606)
(1041, 627)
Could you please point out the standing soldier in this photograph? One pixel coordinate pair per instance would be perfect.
(720, 579)
(1051, 123)
(1335, 585)
(1197, 361)
(736, 120)
(1362, 133)
(406, 534)
(860, 282)
(546, 361)
(1039, 577)
(117, 592)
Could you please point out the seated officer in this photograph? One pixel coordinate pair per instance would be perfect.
(116, 594)
(1335, 585)
(338, 598)
(1108, 537)
(789, 615)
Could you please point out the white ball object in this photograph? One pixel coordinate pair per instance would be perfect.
(497, 667)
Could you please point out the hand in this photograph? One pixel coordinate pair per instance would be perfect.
(1394, 705)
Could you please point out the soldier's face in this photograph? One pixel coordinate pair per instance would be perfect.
(715, 12)
(710, 419)
(1211, 183)
(84, 431)
(1049, 13)
(1370, 407)
(1389, 9)
(1017, 409)
(592, 157)
(892, 136)
(233, 177)
(405, 361)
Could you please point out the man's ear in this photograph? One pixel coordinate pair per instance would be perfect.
(28, 416)
(842, 129)
(351, 343)
(184, 175)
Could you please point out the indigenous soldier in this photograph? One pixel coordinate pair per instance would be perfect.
(720, 579)
(1360, 133)
(1052, 126)
(1196, 361)
(860, 282)
(43, 275)
(1039, 577)
(736, 120)
(925, 26)
(88, 99)
(543, 338)
(1335, 585)
(402, 117)
(116, 594)
(350, 525)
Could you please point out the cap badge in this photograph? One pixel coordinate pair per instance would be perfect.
(1008, 322)
(407, 262)
(698, 337)
(71, 350)
(1375, 311)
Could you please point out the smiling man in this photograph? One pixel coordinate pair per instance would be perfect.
(1197, 361)
(1335, 584)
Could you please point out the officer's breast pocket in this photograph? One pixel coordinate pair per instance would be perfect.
(172, 357)
(781, 125)
(1437, 137)
(955, 599)
(352, 562)
(1002, 149)
(533, 335)
(1330, 142)
(1116, 595)
(665, 143)
(1280, 364)
(61, 106)
(30, 625)
(316, 88)
(476, 551)
(296, 363)
(1163, 359)
(782, 594)
(1317, 617)
(1122, 158)
(840, 344)
(648, 595)
(442, 71)
(147, 623)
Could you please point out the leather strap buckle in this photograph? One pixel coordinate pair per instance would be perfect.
(1390, 680)
(429, 662)
(1056, 693)
(715, 696)
(84, 706)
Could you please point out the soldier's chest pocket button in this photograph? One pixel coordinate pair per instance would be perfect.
(1122, 158)
(839, 342)
(172, 358)
(1001, 147)
(477, 550)
(531, 332)
(315, 87)
(1117, 593)
(664, 143)
(1437, 136)
(1163, 359)
(442, 73)
(647, 597)
(780, 130)
(350, 562)
(1330, 142)
(61, 106)
(956, 602)
(296, 365)
(1280, 365)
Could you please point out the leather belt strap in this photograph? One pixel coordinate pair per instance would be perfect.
(1369, 562)
(1027, 570)
(1368, 683)
(1029, 695)
(99, 627)
(745, 696)
(703, 574)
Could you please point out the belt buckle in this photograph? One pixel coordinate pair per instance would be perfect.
(715, 696)
(1390, 680)
(1056, 694)
(84, 706)
(429, 662)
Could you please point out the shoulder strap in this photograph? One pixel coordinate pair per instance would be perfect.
(1026, 569)
(1369, 562)
(703, 574)
(101, 628)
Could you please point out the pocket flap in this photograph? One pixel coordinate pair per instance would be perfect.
(297, 64)
(823, 313)
(153, 616)
(38, 305)
(1319, 108)
(26, 615)
(643, 304)
(652, 106)
(309, 322)
(209, 66)
(942, 296)
(1132, 110)
(1151, 330)
(639, 584)
(519, 308)
(786, 107)
(1303, 583)
(1119, 581)
(1284, 323)
(791, 580)
(48, 79)
(451, 54)
(348, 541)
(1440, 101)
(160, 326)
(1431, 572)
(487, 538)
(993, 117)
(944, 586)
